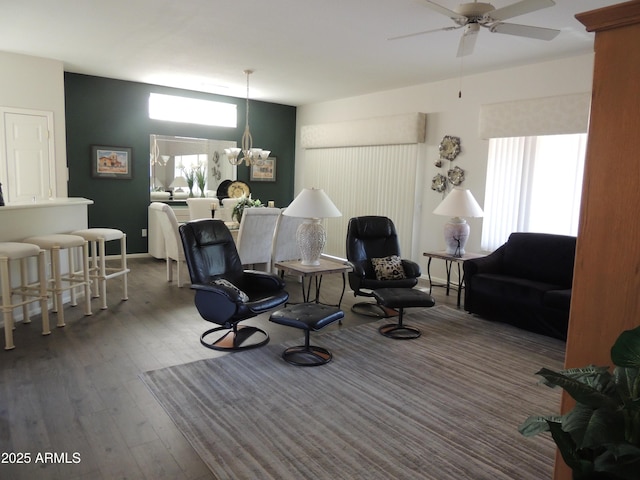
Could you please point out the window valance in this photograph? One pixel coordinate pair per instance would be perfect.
(558, 115)
(389, 130)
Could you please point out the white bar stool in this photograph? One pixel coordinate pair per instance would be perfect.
(99, 270)
(28, 292)
(54, 244)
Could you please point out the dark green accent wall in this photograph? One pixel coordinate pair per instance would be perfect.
(104, 111)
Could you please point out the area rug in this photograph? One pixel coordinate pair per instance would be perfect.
(444, 406)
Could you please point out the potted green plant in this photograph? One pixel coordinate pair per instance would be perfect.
(244, 202)
(190, 176)
(600, 437)
(201, 179)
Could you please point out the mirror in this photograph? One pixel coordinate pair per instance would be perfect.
(176, 159)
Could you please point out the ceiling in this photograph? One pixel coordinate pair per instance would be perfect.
(302, 51)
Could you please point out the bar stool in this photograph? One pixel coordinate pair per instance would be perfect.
(54, 244)
(97, 237)
(29, 292)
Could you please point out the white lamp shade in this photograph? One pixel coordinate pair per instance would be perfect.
(179, 182)
(459, 203)
(312, 203)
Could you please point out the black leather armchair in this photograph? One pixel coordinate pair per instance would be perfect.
(225, 293)
(370, 237)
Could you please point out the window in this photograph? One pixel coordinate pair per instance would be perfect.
(192, 110)
(533, 184)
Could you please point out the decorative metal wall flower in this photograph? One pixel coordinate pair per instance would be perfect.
(439, 183)
(216, 173)
(455, 176)
(449, 147)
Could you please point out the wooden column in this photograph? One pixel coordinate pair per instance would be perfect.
(606, 285)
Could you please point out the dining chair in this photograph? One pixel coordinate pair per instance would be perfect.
(226, 212)
(202, 207)
(285, 246)
(172, 243)
(255, 236)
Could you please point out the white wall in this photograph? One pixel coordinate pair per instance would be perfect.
(449, 115)
(37, 84)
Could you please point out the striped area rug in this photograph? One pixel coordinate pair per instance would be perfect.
(444, 406)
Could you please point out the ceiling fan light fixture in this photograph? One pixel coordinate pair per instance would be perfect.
(474, 11)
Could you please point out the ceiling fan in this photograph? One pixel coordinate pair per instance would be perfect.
(471, 16)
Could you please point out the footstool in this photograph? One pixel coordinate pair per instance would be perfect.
(401, 298)
(307, 317)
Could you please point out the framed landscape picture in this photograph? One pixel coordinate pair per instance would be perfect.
(265, 172)
(111, 162)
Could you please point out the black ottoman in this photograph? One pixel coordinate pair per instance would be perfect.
(401, 298)
(307, 317)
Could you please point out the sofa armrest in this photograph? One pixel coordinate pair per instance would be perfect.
(492, 263)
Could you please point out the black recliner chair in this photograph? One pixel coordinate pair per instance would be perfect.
(374, 237)
(225, 293)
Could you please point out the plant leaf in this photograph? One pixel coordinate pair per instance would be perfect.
(590, 393)
(623, 461)
(536, 424)
(569, 450)
(626, 350)
(626, 381)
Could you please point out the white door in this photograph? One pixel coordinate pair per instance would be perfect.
(28, 147)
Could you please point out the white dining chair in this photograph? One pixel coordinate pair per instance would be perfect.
(202, 207)
(255, 236)
(285, 246)
(172, 243)
(225, 213)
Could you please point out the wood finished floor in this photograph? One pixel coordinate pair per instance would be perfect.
(77, 390)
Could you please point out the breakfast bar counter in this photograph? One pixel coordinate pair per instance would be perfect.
(59, 215)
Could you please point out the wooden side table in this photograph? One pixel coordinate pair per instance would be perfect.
(449, 260)
(315, 273)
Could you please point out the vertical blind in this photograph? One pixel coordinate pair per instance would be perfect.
(534, 184)
(372, 180)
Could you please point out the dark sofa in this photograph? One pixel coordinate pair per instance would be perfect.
(526, 282)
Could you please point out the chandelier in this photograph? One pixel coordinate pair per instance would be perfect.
(250, 155)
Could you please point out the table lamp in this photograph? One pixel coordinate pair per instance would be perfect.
(178, 184)
(457, 204)
(313, 204)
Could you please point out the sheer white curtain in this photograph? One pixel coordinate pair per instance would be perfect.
(533, 184)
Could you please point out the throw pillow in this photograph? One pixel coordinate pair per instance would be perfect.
(388, 268)
(226, 283)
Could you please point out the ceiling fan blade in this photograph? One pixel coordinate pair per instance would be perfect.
(423, 33)
(468, 40)
(445, 11)
(538, 33)
(517, 9)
